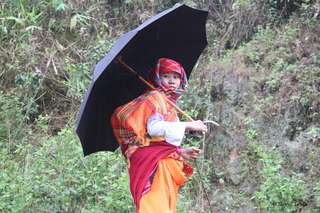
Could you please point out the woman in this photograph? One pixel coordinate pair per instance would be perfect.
(150, 134)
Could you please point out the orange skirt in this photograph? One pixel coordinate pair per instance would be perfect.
(163, 195)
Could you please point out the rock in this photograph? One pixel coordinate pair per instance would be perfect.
(235, 169)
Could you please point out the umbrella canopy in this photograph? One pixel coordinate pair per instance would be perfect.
(178, 33)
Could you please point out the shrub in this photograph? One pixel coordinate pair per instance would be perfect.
(278, 193)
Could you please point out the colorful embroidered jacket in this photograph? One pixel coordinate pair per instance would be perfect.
(129, 121)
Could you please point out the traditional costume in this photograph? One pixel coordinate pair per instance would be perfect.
(149, 133)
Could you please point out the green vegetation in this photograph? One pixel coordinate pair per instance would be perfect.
(259, 78)
(278, 193)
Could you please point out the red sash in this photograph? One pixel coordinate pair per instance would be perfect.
(142, 164)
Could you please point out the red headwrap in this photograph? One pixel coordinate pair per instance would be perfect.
(164, 65)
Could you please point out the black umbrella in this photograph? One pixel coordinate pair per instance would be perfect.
(178, 33)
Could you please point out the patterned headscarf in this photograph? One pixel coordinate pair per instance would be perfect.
(164, 65)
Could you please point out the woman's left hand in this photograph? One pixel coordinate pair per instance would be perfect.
(191, 153)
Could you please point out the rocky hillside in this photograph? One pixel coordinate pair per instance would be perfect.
(266, 95)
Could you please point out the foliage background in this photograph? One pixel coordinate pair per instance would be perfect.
(260, 69)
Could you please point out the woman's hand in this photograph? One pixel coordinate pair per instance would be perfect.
(191, 153)
(196, 126)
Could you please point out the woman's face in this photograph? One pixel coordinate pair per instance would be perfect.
(170, 79)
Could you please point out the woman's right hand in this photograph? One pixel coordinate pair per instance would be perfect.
(196, 126)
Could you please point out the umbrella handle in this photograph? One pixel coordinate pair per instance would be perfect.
(118, 59)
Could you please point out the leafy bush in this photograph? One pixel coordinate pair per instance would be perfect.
(278, 193)
(53, 176)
